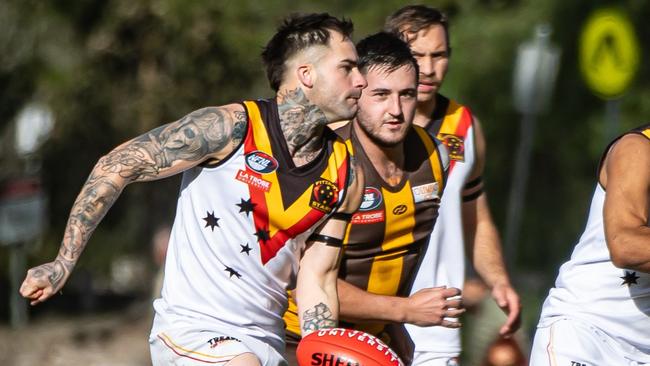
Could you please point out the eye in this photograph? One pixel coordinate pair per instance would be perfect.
(409, 94)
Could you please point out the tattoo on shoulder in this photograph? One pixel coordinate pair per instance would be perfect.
(196, 135)
(318, 317)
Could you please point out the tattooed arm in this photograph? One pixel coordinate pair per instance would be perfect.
(316, 295)
(209, 133)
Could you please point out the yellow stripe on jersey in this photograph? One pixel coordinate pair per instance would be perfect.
(297, 210)
(434, 158)
(646, 133)
(452, 119)
(386, 271)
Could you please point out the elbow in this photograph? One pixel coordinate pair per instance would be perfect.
(620, 257)
(621, 260)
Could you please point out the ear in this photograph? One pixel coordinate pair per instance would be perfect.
(306, 75)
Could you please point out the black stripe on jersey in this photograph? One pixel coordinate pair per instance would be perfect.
(406, 249)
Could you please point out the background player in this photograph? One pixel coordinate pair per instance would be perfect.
(404, 181)
(464, 213)
(598, 313)
(259, 177)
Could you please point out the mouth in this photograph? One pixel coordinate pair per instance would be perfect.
(428, 85)
(393, 123)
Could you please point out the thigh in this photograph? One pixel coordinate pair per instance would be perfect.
(188, 347)
(571, 343)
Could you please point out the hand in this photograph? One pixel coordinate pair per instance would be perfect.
(508, 300)
(431, 306)
(43, 281)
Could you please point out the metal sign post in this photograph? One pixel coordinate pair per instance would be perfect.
(534, 78)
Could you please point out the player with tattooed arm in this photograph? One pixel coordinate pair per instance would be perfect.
(266, 193)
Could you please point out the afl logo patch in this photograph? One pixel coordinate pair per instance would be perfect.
(455, 145)
(261, 162)
(399, 209)
(324, 196)
(371, 199)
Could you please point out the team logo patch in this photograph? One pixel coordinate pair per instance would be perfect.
(455, 144)
(368, 217)
(425, 192)
(371, 199)
(261, 162)
(253, 181)
(324, 196)
(399, 209)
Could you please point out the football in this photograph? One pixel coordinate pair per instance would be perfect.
(344, 347)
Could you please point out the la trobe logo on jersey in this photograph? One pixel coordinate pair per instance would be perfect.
(261, 162)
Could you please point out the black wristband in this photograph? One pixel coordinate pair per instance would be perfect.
(474, 183)
(328, 240)
(343, 216)
(473, 196)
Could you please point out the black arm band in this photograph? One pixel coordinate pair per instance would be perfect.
(474, 183)
(330, 241)
(473, 196)
(343, 216)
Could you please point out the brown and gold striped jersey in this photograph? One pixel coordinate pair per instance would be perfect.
(388, 234)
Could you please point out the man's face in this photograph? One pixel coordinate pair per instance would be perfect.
(339, 83)
(430, 49)
(387, 105)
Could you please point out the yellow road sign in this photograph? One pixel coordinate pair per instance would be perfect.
(609, 52)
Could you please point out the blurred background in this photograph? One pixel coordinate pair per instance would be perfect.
(79, 77)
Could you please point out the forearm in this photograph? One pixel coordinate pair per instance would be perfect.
(483, 243)
(361, 306)
(488, 257)
(97, 195)
(317, 301)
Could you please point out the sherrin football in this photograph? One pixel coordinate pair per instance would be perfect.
(344, 347)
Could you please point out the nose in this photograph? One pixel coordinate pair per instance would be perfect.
(395, 108)
(426, 66)
(358, 80)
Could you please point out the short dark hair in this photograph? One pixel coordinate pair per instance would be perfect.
(414, 18)
(384, 51)
(296, 33)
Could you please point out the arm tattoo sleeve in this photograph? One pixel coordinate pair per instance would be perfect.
(192, 138)
(318, 317)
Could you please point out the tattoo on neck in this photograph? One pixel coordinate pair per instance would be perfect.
(302, 123)
(318, 317)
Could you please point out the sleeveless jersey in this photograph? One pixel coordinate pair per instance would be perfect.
(387, 236)
(444, 261)
(591, 289)
(240, 228)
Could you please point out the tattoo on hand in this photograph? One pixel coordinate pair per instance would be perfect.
(319, 317)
